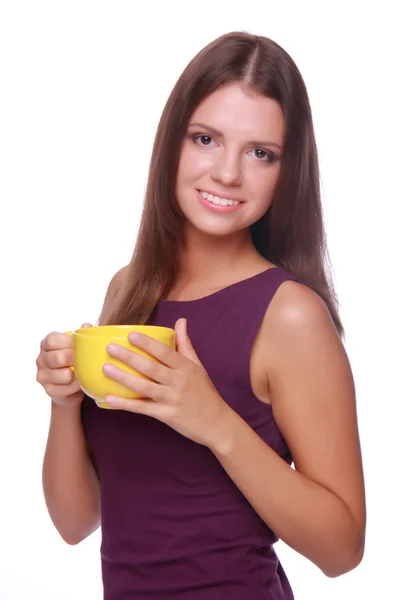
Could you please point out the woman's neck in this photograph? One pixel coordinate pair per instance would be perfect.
(209, 264)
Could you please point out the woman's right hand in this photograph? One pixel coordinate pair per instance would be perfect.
(54, 372)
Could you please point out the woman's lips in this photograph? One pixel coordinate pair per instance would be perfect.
(218, 207)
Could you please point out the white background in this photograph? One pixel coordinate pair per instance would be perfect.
(82, 88)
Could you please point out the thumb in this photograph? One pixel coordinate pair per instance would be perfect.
(183, 344)
(86, 325)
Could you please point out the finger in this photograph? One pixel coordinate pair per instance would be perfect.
(56, 359)
(62, 391)
(162, 352)
(56, 341)
(55, 376)
(143, 406)
(147, 366)
(143, 387)
(86, 325)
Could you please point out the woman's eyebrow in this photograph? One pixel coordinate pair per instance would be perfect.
(219, 134)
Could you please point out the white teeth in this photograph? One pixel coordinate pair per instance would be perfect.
(218, 200)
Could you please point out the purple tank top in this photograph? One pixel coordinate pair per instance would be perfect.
(174, 525)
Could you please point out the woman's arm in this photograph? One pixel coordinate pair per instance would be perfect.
(70, 479)
(70, 484)
(319, 508)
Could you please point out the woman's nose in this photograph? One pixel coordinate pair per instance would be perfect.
(226, 169)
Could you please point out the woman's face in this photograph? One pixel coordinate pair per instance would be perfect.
(230, 160)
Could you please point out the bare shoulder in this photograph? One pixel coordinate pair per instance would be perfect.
(115, 286)
(296, 309)
(118, 280)
(312, 392)
(300, 337)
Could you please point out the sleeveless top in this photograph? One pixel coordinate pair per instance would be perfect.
(174, 525)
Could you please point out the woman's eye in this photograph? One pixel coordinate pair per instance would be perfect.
(264, 155)
(202, 140)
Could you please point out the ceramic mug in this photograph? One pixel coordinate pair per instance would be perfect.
(90, 354)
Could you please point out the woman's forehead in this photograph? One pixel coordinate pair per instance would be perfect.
(236, 109)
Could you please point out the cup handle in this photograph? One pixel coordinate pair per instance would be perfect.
(70, 334)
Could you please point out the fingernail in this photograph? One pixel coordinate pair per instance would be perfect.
(109, 369)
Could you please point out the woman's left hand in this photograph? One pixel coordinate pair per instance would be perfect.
(181, 394)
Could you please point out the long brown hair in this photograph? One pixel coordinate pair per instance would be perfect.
(291, 234)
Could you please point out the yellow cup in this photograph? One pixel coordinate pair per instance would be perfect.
(90, 354)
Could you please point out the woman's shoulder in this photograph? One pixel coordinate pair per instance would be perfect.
(298, 327)
(118, 279)
(295, 306)
(114, 288)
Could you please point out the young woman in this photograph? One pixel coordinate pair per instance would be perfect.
(193, 485)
